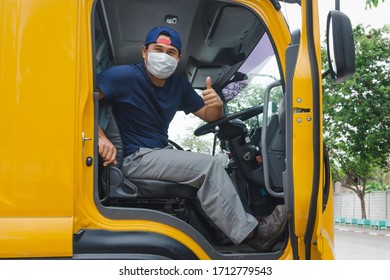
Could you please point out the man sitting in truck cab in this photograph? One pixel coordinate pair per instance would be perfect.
(145, 97)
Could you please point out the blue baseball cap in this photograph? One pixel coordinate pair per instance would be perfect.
(153, 34)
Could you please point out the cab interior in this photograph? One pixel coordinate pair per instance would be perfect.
(228, 42)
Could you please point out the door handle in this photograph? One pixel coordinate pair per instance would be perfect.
(83, 138)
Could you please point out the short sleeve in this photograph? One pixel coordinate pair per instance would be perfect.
(114, 81)
(192, 102)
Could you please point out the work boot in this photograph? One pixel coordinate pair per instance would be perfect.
(269, 229)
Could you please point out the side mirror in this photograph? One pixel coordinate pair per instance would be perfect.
(341, 46)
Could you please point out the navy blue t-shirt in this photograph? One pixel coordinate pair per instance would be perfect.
(142, 110)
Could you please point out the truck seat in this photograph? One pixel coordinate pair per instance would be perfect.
(116, 186)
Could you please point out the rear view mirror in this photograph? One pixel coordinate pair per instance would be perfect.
(341, 47)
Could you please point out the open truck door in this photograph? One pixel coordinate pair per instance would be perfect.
(307, 175)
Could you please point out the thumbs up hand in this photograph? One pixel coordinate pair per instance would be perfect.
(210, 97)
(208, 82)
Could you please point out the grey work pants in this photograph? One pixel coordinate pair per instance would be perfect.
(217, 195)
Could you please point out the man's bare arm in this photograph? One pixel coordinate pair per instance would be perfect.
(101, 95)
(106, 149)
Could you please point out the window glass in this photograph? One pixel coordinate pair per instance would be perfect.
(247, 86)
(245, 89)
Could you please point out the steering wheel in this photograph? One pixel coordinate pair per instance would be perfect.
(175, 145)
(242, 115)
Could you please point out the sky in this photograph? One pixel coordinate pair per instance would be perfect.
(355, 9)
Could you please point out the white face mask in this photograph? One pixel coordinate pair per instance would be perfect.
(161, 65)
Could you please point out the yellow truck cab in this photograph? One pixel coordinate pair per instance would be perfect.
(56, 199)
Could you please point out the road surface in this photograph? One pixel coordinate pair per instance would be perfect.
(358, 244)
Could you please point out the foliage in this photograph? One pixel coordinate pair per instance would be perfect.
(190, 142)
(375, 186)
(356, 113)
(195, 144)
(379, 181)
(370, 3)
(253, 95)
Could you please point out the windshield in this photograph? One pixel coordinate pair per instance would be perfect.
(246, 88)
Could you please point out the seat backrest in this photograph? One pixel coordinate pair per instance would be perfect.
(282, 115)
(102, 56)
(109, 125)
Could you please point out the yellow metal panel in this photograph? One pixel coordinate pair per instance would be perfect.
(37, 116)
(303, 125)
(327, 230)
(35, 237)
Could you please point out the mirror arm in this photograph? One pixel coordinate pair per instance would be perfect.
(325, 73)
(337, 5)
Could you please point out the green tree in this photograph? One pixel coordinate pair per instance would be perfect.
(357, 116)
(196, 144)
(253, 95)
(370, 3)
(189, 141)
